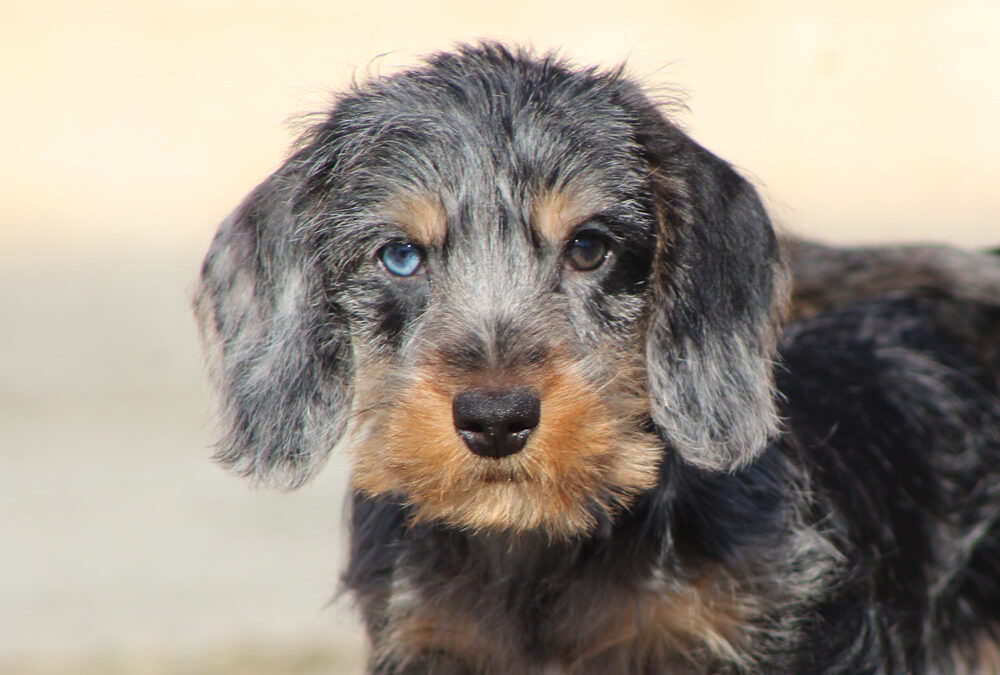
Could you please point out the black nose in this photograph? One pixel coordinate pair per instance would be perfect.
(496, 423)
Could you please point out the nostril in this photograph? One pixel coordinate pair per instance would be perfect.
(496, 423)
(524, 420)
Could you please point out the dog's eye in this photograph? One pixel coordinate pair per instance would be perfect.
(402, 259)
(587, 251)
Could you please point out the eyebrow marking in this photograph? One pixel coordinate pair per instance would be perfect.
(557, 212)
(422, 217)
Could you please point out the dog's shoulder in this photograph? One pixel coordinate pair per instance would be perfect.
(905, 368)
(914, 328)
(892, 404)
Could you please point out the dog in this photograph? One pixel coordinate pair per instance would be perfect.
(596, 424)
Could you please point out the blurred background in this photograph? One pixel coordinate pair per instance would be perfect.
(128, 130)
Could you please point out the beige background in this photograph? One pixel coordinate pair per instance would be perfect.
(129, 129)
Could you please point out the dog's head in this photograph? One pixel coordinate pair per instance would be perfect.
(507, 286)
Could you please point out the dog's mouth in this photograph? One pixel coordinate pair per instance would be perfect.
(500, 473)
(555, 453)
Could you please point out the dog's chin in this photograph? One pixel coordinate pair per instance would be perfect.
(503, 501)
(494, 505)
(563, 491)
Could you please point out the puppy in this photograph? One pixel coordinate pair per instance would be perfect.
(547, 327)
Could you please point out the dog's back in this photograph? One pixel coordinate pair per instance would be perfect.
(891, 400)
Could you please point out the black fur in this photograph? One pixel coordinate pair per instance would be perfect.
(826, 498)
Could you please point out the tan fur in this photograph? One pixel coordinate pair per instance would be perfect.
(613, 630)
(558, 212)
(586, 454)
(664, 625)
(987, 654)
(417, 628)
(979, 657)
(421, 216)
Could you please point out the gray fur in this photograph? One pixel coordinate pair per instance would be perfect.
(289, 277)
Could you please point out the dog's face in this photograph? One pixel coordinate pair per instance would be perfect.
(507, 287)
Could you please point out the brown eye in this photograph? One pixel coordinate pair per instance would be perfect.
(587, 251)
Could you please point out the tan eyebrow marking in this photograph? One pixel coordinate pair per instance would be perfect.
(556, 213)
(421, 216)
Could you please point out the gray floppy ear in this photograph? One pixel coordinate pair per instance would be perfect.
(278, 358)
(717, 294)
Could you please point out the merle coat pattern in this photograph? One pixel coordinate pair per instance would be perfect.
(696, 485)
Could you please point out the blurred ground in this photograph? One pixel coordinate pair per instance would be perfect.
(265, 659)
(123, 548)
(130, 129)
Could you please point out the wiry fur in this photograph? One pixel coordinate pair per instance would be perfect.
(703, 493)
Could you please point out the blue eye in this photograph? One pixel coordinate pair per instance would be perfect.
(401, 259)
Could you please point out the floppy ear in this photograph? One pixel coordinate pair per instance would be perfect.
(278, 357)
(718, 292)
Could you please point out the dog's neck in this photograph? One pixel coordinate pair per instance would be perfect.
(628, 586)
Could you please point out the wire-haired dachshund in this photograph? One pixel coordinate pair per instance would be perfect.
(596, 424)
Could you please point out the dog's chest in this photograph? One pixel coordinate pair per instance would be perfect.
(588, 628)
